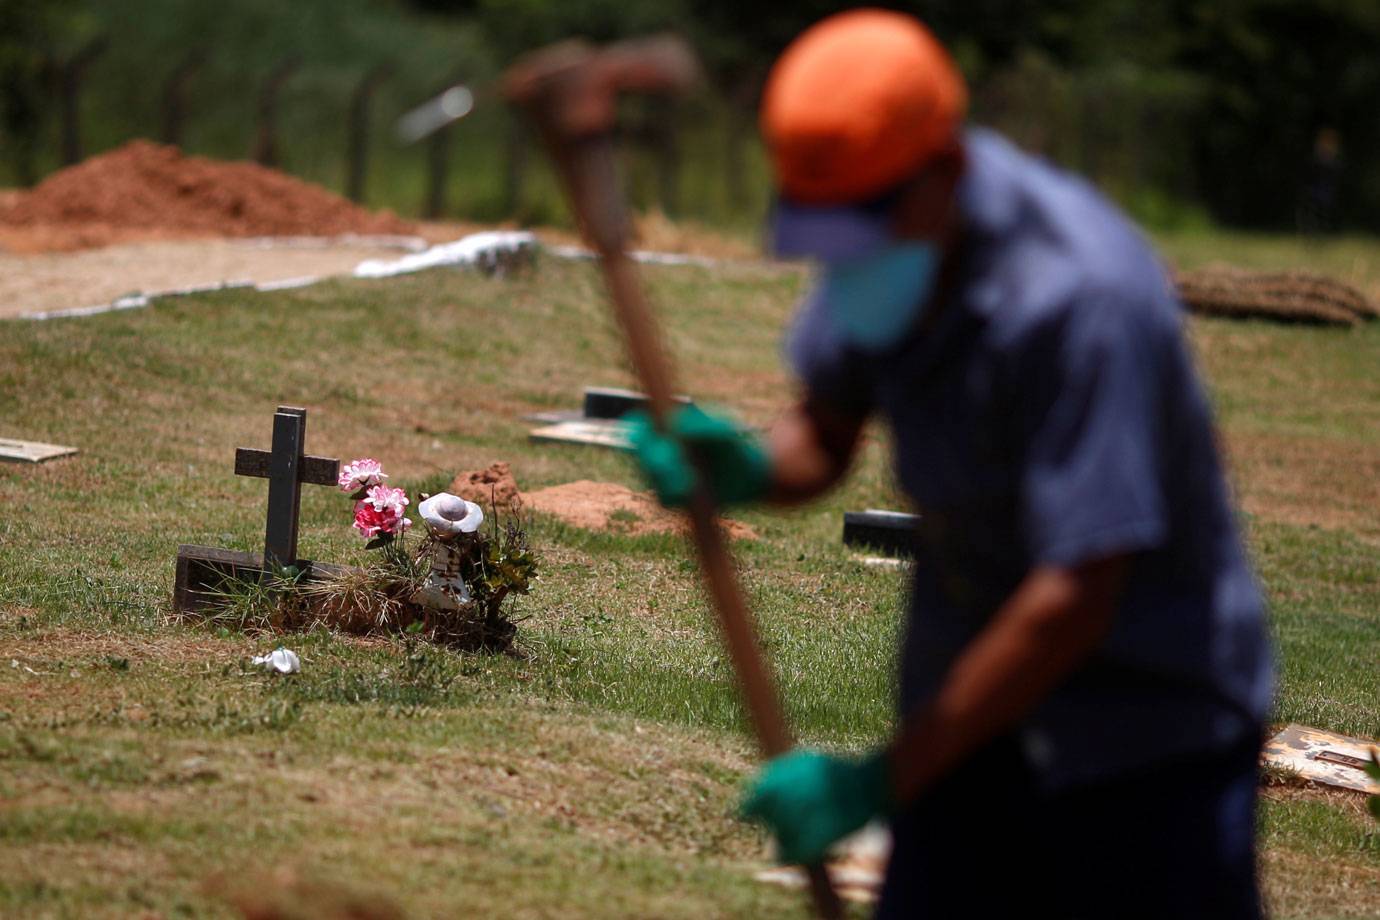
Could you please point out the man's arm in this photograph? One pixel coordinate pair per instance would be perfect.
(1050, 624)
(810, 447)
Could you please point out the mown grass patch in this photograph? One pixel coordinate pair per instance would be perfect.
(593, 773)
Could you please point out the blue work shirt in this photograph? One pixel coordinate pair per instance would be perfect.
(1047, 413)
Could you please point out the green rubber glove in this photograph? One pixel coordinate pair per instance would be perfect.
(811, 800)
(737, 464)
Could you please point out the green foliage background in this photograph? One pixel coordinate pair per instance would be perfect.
(1188, 111)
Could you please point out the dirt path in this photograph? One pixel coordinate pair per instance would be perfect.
(41, 282)
(58, 281)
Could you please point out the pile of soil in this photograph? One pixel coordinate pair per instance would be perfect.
(610, 507)
(1291, 296)
(144, 191)
(490, 487)
(603, 506)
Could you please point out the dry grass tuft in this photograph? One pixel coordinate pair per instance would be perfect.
(1288, 296)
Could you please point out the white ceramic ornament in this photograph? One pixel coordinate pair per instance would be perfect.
(448, 517)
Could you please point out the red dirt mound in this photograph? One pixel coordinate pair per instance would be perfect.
(609, 506)
(488, 487)
(146, 191)
(590, 505)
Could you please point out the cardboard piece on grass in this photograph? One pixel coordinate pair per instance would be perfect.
(594, 432)
(31, 451)
(1322, 757)
(856, 869)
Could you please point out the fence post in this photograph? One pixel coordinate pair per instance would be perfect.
(266, 135)
(357, 130)
(666, 140)
(25, 120)
(438, 161)
(437, 165)
(515, 163)
(175, 96)
(739, 120)
(71, 74)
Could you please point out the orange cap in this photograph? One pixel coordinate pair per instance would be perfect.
(857, 103)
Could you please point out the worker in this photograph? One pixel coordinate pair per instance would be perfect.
(1085, 671)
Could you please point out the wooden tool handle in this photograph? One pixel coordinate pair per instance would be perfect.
(551, 88)
(759, 690)
(645, 350)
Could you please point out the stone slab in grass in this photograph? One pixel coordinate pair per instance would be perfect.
(600, 432)
(889, 532)
(600, 403)
(1322, 757)
(616, 402)
(13, 451)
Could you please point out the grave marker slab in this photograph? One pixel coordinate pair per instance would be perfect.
(892, 532)
(1323, 757)
(615, 402)
(599, 403)
(13, 451)
(598, 432)
(201, 568)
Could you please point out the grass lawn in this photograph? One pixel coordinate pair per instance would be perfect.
(144, 769)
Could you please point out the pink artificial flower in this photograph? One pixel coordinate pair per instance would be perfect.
(385, 498)
(381, 512)
(360, 474)
(370, 521)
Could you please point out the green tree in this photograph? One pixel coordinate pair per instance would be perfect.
(31, 33)
(1277, 72)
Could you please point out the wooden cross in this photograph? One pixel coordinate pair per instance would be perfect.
(286, 467)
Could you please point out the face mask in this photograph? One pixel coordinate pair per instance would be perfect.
(874, 301)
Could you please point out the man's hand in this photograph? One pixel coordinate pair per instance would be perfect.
(811, 447)
(735, 461)
(811, 800)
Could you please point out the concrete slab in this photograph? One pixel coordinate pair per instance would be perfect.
(13, 451)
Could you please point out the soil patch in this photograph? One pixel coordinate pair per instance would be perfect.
(492, 487)
(144, 191)
(1331, 483)
(612, 507)
(60, 281)
(591, 505)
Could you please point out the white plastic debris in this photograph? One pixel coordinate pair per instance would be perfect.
(645, 256)
(129, 302)
(282, 660)
(288, 284)
(488, 249)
